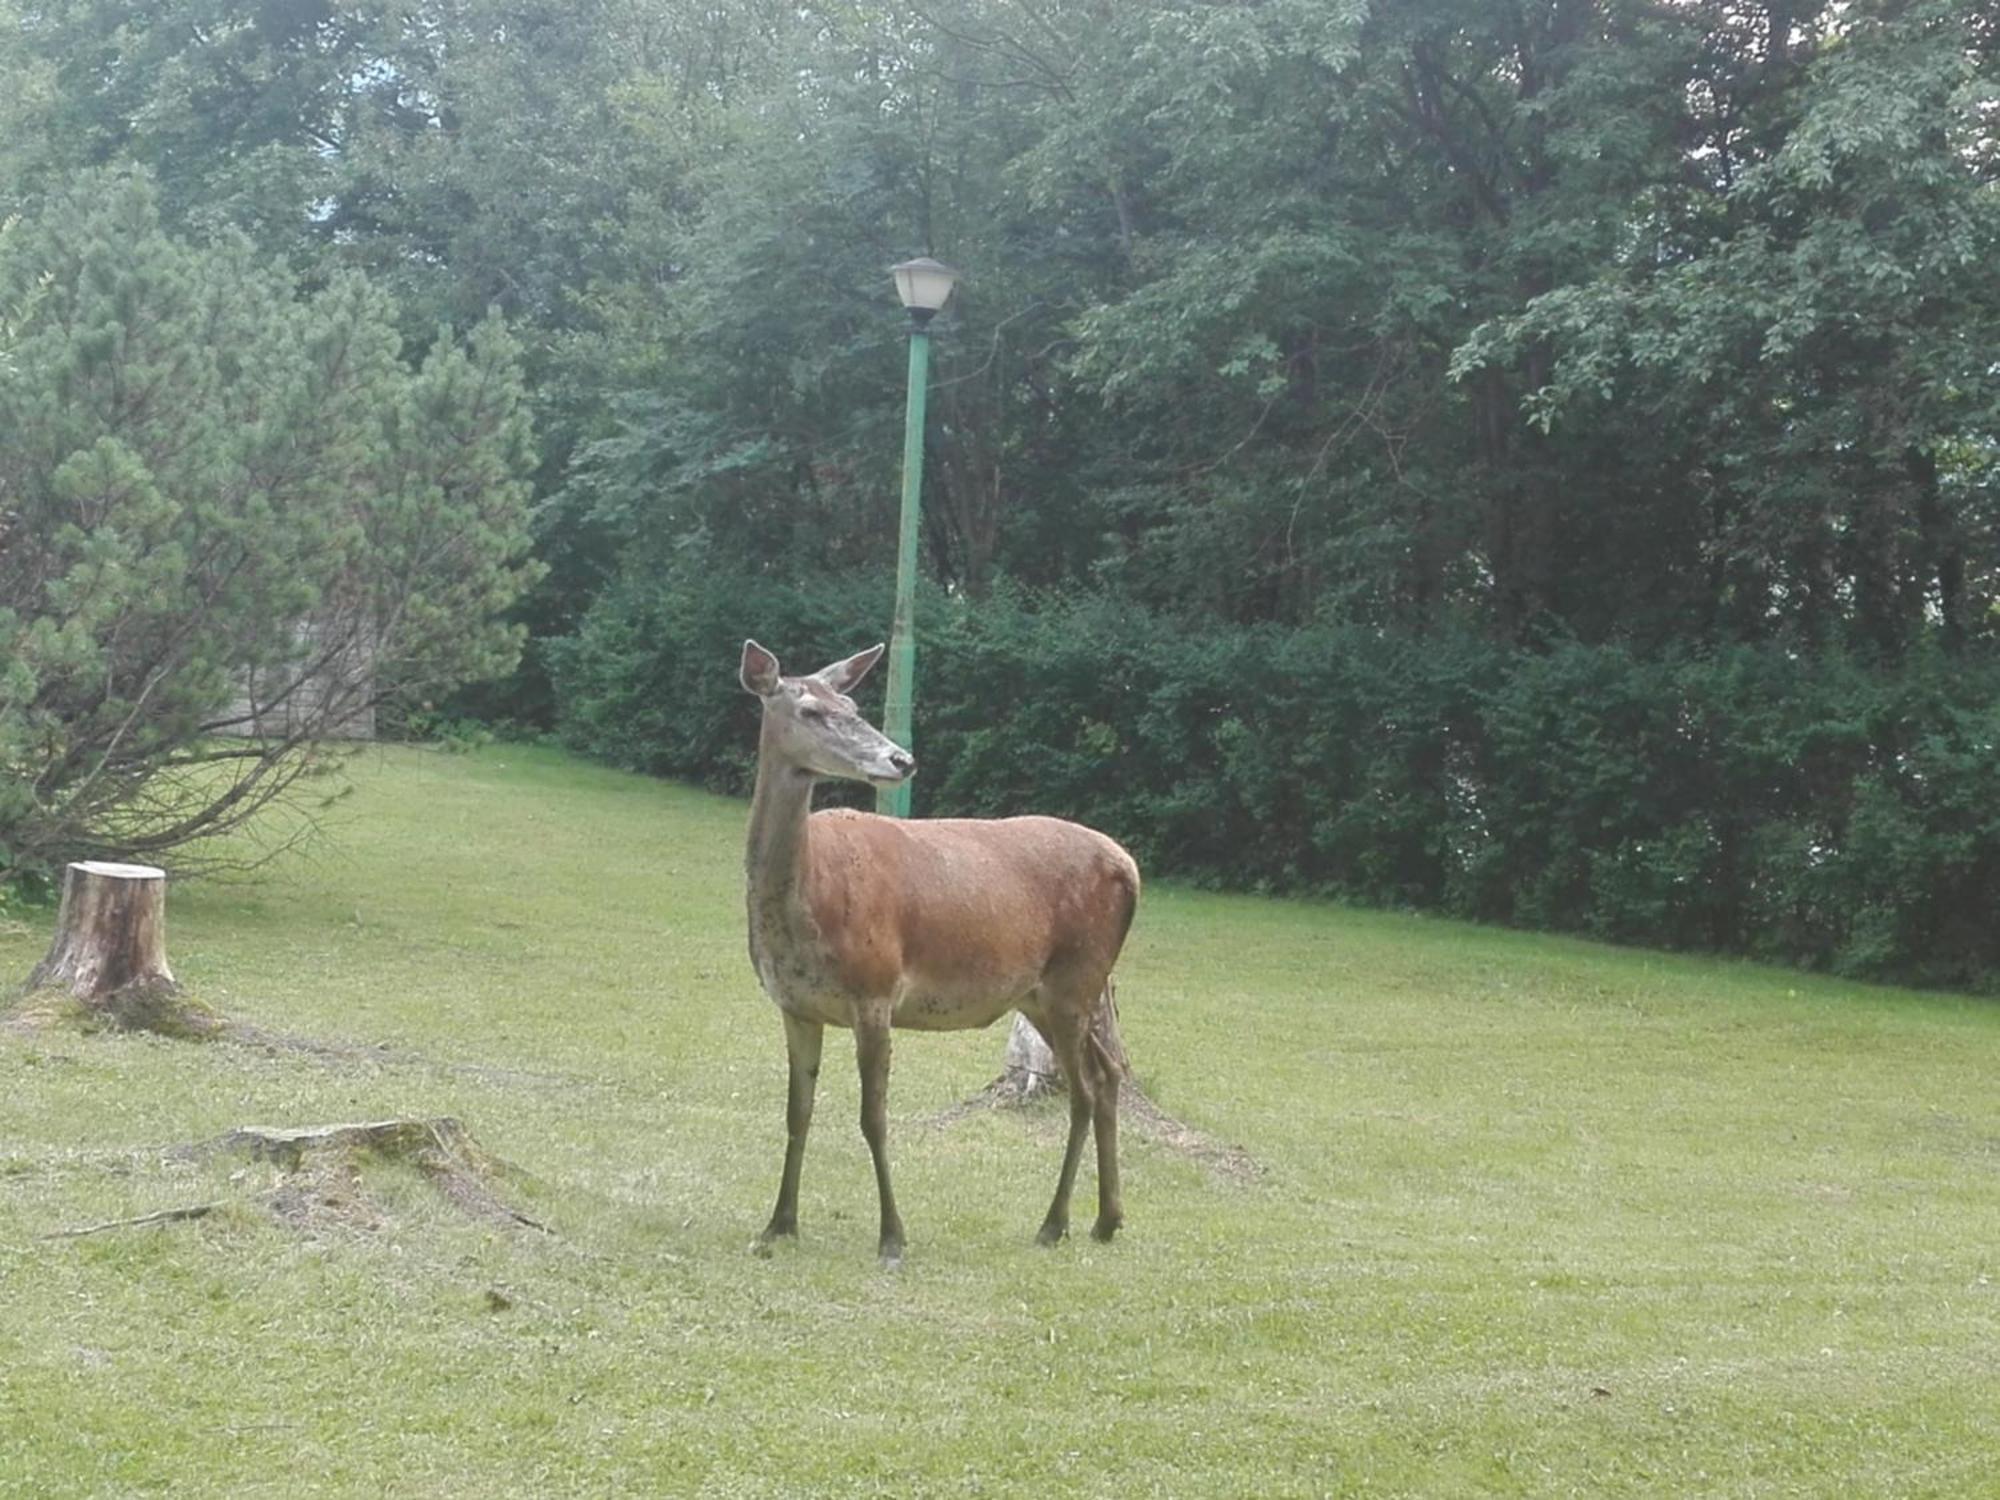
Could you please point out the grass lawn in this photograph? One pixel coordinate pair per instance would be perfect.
(1536, 1217)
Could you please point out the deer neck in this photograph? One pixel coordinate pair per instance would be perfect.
(775, 860)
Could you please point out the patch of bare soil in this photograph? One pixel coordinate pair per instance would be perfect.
(1163, 1129)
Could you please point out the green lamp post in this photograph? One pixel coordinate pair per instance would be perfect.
(924, 285)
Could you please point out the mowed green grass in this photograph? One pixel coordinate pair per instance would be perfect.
(1535, 1217)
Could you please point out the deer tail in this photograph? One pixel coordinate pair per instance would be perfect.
(1106, 1043)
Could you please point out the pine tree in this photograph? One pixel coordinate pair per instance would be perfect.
(225, 510)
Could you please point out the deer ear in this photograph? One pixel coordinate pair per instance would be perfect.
(759, 672)
(843, 675)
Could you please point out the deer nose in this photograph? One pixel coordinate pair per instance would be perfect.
(904, 762)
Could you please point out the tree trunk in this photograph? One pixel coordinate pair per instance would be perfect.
(111, 935)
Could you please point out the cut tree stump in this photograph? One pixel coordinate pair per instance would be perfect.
(110, 949)
(111, 931)
(1030, 1066)
(320, 1167)
(1030, 1070)
(439, 1138)
(317, 1177)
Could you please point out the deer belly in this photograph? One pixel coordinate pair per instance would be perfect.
(941, 1010)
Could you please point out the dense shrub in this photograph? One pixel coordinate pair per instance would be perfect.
(1745, 800)
(648, 682)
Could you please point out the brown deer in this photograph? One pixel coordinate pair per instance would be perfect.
(934, 924)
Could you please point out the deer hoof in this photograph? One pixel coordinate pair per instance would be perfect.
(890, 1253)
(1052, 1233)
(1103, 1229)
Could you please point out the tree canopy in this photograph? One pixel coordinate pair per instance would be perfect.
(1658, 329)
(1611, 318)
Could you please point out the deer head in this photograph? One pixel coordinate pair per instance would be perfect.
(812, 725)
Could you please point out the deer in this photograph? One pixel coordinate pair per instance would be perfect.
(879, 924)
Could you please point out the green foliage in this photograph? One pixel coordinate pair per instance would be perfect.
(1605, 320)
(639, 682)
(1808, 332)
(1579, 421)
(217, 491)
(1822, 811)
(451, 733)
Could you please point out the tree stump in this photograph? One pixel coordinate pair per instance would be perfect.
(1030, 1068)
(434, 1141)
(1031, 1071)
(111, 931)
(320, 1168)
(110, 947)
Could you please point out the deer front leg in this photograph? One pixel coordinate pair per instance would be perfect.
(871, 1049)
(802, 1049)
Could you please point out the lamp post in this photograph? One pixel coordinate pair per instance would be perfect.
(924, 285)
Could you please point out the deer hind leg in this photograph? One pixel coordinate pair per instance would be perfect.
(1063, 1026)
(802, 1049)
(871, 1049)
(1110, 1204)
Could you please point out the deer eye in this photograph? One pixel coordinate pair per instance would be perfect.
(813, 714)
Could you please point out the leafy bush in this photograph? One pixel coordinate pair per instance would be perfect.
(1747, 800)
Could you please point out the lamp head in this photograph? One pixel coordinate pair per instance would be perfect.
(924, 285)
